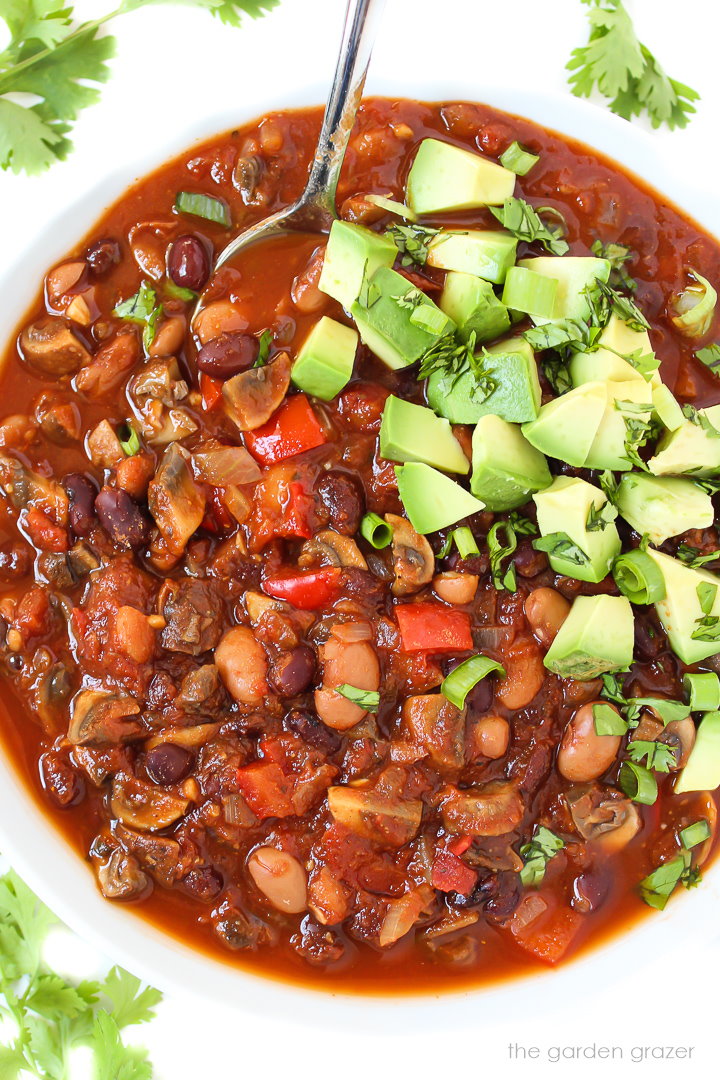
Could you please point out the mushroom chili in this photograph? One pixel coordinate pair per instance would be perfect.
(362, 627)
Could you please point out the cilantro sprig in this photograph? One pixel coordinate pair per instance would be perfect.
(53, 1016)
(60, 64)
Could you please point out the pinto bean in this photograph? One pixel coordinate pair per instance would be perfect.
(133, 635)
(455, 588)
(583, 754)
(220, 317)
(354, 663)
(169, 339)
(546, 610)
(490, 737)
(305, 294)
(525, 674)
(279, 877)
(242, 664)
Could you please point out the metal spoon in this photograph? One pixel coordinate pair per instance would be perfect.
(315, 210)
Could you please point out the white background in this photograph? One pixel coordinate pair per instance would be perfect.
(177, 70)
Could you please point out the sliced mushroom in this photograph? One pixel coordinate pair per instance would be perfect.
(256, 604)
(158, 854)
(253, 396)
(487, 810)
(413, 559)
(160, 380)
(603, 816)
(187, 737)
(144, 806)
(198, 687)
(110, 366)
(175, 500)
(121, 878)
(49, 347)
(437, 726)
(103, 718)
(389, 821)
(23, 487)
(330, 548)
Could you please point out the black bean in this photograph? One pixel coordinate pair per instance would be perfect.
(649, 639)
(228, 355)
(528, 561)
(479, 700)
(168, 763)
(312, 731)
(189, 263)
(343, 497)
(103, 255)
(292, 672)
(122, 518)
(82, 494)
(590, 891)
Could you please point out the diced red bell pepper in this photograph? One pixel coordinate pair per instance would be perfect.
(308, 591)
(211, 390)
(460, 844)
(291, 430)
(217, 516)
(266, 789)
(44, 533)
(450, 874)
(296, 513)
(429, 627)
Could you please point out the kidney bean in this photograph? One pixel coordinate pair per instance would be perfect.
(103, 255)
(121, 518)
(312, 731)
(228, 355)
(343, 497)
(590, 891)
(292, 672)
(81, 493)
(189, 263)
(649, 639)
(168, 763)
(528, 561)
(480, 698)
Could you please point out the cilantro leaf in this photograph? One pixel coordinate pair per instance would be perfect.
(657, 755)
(131, 1004)
(561, 546)
(524, 222)
(538, 853)
(617, 255)
(412, 242)
(113, 1059)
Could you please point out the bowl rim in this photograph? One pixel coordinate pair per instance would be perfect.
(61, 877)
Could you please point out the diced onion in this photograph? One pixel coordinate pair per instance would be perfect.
(392, 207)
(352, 631)
(228, 465)
(237, 503)
(695, 307)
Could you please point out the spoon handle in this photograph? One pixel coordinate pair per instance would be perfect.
(361, 20)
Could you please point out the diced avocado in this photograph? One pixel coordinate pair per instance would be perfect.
(530, 293)
(432, 500)
(623, 407)
(445, 177)
(353, 253)
(325, 361)
(485, 252)
(517, 395)
(598, 635)
(617, 341)
(702, 772)
(506, 468)
(565, 427)
(573, 275)
(413, 433)
(689, 449)
(667, 408)
(474, 308)
(662, 506)
(396, 320)
(681, 609)
(566, 507)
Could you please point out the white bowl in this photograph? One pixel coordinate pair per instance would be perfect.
(66, 883)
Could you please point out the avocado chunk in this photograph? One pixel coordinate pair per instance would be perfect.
(662, 506)
(413, 433)
(531, 294)
(681, 612)
(506, 468)
(667, 408)
(353, 253)
(573, 275)
(473, 306)
(432, 500)
(396, 320)
(689, 448)
(570, 506)
(623, 412)
(325, 361)
(597, 636)
(608, 361)
(517, 394)
(566, 427)
(702, 772)
(445, 177)
(485, 252)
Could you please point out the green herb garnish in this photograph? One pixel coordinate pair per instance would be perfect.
(366, 699)
(502, 577)
(656, 755)
(537, 854)
(524, 222)
(617, 255)
(412, 242)
(561, 546)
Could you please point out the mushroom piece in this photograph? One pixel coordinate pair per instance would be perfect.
(21, 486)
(121, 878)
(103, 718)
(175, 500)
(383, 819)
(188, 737)
(603, 816)
(109, 367)
(144, 806)
(491, 809)
(330, 548)
(437, 727)
(253, 396)
(192, 610)
(157, 854)
(413, 559)
(104, 447)
(49, 347)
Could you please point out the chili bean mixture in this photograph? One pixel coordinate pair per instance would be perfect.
(224, 674)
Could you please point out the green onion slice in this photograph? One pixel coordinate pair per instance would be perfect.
(392, 207)
(376, 531)
(695, 307)
(638, 783)
(518, 160)
(608, 721)
(656, 888)
(465, 541)
(130, 444)
(457, 685)
(638, 577)
(703, 691)
(204, 206)
(366, 699)
(429, 318)
(178, 292)
(695, 834)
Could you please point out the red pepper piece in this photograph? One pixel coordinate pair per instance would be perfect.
(460, 844)
(211, 390)
(293, 429)
(308, 591)
(266, 789)
(429, 627)
(450, 874)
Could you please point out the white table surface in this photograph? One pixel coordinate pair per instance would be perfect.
(197, 69)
